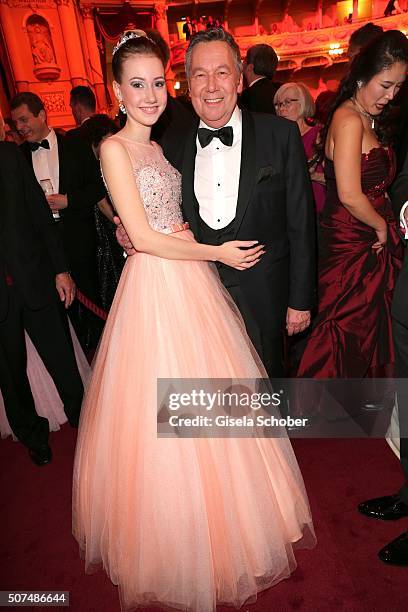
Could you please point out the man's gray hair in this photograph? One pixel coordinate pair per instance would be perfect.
(211, 35)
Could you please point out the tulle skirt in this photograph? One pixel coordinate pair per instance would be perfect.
(47, 401)
(183, 523)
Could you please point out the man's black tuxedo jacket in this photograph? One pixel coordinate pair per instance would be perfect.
(80, 180)
(399, 195)
(259, 97)
(31, 251)
(80, 132)
(275, 207)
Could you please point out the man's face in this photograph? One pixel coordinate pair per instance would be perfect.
(32, 128)
(214, 82)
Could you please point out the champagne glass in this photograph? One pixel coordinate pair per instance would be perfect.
(48, 189)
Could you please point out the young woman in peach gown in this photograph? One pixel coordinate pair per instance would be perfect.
(184, 523)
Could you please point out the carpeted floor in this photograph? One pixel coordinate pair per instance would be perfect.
(37, 550)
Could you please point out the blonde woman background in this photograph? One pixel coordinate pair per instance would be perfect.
(294, 101)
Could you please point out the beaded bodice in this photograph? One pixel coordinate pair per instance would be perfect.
(159, 184)
(377, 173)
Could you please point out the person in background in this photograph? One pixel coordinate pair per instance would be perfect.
(83, 106)
(200, 24)
(10, 132)
(294, 101)
(109, 253)
(323, 103)
(34, 278)
(187, 28)
(401, 135)
(70, 166)
(394, 507)
(259, 68)
(210, 22)
(392, 8)
(361, 37)
(360, 248)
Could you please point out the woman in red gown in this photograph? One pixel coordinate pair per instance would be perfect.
(360, 249)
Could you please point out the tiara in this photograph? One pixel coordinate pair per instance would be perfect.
(128, 35)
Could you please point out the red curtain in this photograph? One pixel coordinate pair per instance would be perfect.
(112, 22)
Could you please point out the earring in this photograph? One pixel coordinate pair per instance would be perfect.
(359, 83)
(122, 107)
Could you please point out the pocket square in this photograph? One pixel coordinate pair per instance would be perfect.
(265, 172)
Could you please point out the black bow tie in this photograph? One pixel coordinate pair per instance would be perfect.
(36, 145)
(225, 134)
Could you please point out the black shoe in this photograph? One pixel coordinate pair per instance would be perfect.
(40, 455)
(396, 552)
(388, 508)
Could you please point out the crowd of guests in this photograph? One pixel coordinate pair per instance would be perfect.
(192, 25)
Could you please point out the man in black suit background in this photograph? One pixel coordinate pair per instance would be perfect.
(244, 177)
(77, 184)
(394, 507)
(259, 69)
(32, 267)
(83, 106)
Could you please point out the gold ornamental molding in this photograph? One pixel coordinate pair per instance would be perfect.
(54, 102)
(34, 4)
(297, 50)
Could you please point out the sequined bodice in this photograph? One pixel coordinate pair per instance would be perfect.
(377, 173)
(159, 185)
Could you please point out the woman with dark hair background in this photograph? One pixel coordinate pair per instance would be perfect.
(360, 250)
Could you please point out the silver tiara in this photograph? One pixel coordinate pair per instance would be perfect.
(128, 36)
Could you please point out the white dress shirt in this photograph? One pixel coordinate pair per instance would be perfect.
(46, 161)
(403, 223)
(216, 176)
(256, 80)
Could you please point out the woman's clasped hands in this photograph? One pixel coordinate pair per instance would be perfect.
(240, 254)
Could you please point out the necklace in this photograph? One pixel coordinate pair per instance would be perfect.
(363, 112)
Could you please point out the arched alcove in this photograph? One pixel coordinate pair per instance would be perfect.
(42, 48)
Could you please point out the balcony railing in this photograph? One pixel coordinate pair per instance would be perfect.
(305, 49)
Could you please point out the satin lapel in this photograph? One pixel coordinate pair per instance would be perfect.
(62, 165)
(190, 204)
(247, 174)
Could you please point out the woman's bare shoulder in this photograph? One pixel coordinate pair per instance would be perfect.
(347, 117)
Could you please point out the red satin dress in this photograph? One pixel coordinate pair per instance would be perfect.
(351, 334)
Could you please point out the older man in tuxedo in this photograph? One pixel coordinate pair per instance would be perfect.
(244, 177)
(394, 507)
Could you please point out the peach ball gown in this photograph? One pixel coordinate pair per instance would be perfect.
(179, 523)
